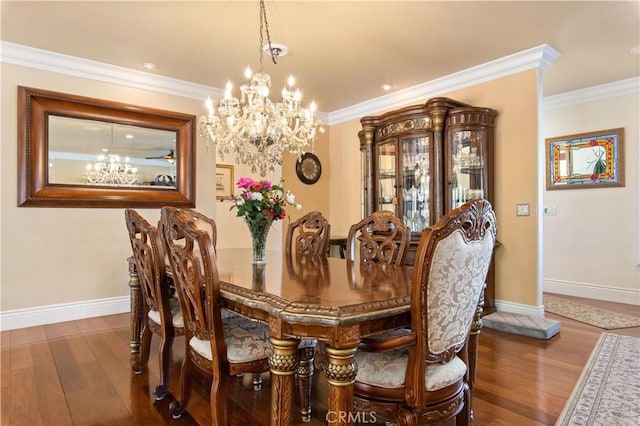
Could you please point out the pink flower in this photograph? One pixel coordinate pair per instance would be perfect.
(245, 183)
(594, 176)
(593, 142)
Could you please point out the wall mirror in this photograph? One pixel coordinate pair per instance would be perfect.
(84, 152)
(586, 160)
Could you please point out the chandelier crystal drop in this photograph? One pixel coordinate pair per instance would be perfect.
(253, 127)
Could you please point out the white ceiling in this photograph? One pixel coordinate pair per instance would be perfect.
(341, 52)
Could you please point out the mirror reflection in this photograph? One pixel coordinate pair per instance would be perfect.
(594, 159)
(91, 152)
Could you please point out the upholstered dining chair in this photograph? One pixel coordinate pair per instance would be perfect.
(218, 347)
(425, 375)
(308, 235)
(161, 312)
(379, 237)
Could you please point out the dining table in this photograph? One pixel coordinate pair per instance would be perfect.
(332, 300)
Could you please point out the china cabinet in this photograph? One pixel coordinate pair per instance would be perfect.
(424, 160)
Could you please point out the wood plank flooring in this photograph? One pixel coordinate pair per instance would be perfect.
(78, 373)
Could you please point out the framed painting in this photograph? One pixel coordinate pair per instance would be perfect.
(224, 181)
(586, 160)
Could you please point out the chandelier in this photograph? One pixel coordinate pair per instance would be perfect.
(109, 170)
(253, 127)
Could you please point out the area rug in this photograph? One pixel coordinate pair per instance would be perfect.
(598, 317)
(608, 390)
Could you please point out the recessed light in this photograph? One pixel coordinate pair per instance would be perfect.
(150, 66)
(128, 136)
(386, 87)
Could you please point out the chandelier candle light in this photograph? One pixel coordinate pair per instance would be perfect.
(256, 129)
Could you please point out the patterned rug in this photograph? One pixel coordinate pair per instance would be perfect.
(608, 390)
(588, 314)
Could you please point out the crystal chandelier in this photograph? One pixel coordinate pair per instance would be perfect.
(253, 127)
(109, 170)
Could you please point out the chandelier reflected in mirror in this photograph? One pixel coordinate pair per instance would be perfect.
(255, 129)
(110, 170)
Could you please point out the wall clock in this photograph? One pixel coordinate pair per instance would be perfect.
(308, 168)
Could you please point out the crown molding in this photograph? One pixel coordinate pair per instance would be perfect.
(17, 54)
(628, 86)
(537, 57)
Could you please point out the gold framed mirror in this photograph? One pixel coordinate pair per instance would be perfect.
(586, 160)
(76, 151)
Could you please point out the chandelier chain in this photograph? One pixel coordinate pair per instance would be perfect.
(264, 27)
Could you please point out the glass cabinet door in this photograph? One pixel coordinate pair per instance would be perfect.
(468, 178)
(415, 183)
(387, 195)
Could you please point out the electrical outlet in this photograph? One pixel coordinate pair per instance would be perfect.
(522, 210)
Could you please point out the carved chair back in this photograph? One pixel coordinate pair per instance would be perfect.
(438, 354)
(193, 265)
(451, 267)
(309, 235)
(380, 237)
(161, 312)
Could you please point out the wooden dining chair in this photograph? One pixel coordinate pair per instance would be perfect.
(308, 235)
(218, 347)
(161, 311)
(425, 376)
(379, 237)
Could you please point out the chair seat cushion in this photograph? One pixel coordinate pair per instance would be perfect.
(178, 321)
(246, 340)
(388, 370)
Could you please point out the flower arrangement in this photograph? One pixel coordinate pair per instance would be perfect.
(261, 200)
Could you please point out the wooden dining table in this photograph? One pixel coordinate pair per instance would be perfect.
(333, 300)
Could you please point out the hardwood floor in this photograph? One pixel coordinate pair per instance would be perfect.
(78, 373)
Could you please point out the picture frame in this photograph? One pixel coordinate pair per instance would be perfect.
(586, 160)
(224, 181)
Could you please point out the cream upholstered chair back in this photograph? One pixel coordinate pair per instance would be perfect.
(380, 237)
(451, 267)
(425, 375)
(308, 235)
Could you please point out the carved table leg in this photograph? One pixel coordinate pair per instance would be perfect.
(304, 373)
(282, 362)
(340, 369)
(136, 312)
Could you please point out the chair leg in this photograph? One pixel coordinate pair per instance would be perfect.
(176, 408)
(257, 381)
(464, 416)
(218, 401)
(145, 348)
(166, 356)
(304, 374)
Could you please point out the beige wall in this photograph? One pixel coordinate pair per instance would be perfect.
(591, 246)
(515, 99)
(64, 255)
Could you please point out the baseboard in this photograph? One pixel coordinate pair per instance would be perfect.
(41, 315)
(592, 291)
(519, 308)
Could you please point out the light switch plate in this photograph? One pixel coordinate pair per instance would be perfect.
(522, 210)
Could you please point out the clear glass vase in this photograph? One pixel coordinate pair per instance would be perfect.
(259, 230)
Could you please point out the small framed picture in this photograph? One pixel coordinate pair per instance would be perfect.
(224, 181)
